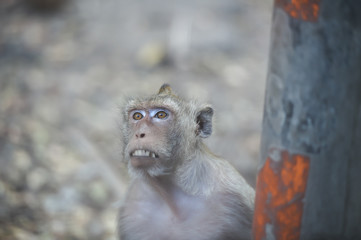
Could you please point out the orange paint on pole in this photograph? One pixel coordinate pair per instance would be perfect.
(306, 10)
(281, 187)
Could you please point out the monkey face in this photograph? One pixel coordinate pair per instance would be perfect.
(162, 131)
(150, 142)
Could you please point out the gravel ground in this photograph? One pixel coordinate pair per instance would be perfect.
(64, 69)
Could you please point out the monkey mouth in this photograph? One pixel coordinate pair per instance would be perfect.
(143, 159)
(143, 153)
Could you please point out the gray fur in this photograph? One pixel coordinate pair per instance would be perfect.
(189, 193)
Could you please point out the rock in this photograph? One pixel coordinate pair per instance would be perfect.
(98, 193)
(22, 160)
(37, 179)
(152, 54)
(79, 221)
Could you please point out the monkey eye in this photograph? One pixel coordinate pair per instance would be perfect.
(161, 115)
(137, 116)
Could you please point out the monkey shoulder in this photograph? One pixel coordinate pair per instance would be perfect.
(211, 176)
(227, 179)
(237, 200)
(229, 198)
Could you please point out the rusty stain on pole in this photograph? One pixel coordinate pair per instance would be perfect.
(308, 181)
(280, 190)
(306, 10)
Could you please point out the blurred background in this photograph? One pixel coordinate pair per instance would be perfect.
(66, 65)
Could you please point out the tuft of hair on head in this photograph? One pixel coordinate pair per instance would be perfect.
(165, 89)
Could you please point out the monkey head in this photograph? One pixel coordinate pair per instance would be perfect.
(162, 131)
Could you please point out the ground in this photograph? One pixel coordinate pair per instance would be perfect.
(65, 70)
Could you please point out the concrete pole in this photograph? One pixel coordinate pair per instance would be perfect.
(309, 181)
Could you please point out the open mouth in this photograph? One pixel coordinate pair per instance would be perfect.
(143, 153)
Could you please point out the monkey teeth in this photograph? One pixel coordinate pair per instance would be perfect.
(143, 153)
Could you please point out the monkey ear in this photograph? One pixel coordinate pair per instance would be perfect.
(165, 89)
(204, 121)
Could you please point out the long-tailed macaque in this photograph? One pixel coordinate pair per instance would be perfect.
(180, 189)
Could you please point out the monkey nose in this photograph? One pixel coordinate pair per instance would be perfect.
(142, 135)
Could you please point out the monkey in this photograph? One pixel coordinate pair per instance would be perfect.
(180, 190)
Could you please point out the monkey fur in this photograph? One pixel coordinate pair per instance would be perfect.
(180, 190)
